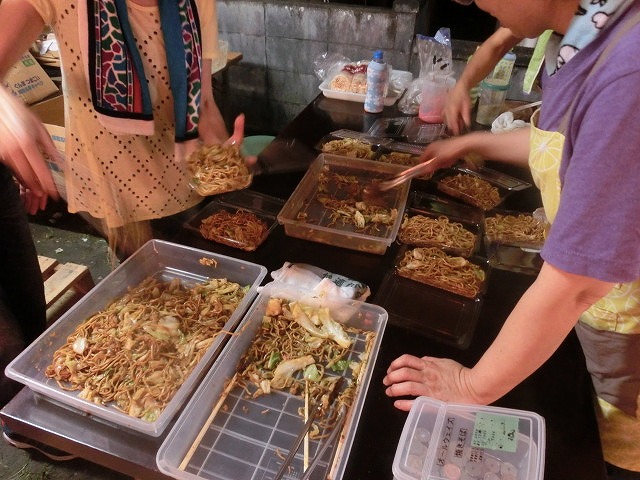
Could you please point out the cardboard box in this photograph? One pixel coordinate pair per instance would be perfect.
(28, 81)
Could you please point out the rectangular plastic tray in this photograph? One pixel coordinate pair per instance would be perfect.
(442, 441)
(407, 129)
(391, 98)
(161, 260)
(445, 317)
(264, 207)
(248, 438)
(303, 216)
(444, 243)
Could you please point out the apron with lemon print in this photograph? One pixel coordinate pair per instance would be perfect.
(608, 331)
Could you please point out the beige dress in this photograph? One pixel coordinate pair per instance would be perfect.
(115, 177)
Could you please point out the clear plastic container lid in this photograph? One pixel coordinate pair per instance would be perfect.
(442, 441)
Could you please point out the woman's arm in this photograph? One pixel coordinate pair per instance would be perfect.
(507, 147)
(457, 111)
(23, 138)
(20, 25)
(211, 125)
(538, 324)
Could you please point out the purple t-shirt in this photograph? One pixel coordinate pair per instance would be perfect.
(596, 231)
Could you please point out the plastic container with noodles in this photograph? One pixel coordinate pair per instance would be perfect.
(163, 261)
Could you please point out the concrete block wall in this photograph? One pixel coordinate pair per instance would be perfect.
(281, 39)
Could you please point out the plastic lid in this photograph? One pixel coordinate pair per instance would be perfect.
(510, 56)
(378, 54)
(492, 84)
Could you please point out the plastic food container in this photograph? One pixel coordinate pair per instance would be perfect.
(443, 441)
(491, 101)
(249, 437)
(445, 241)
(503, 183)
(303, 216)
(264, 207)
(159, 259)
(515, 255)
(444, 316)
(391, 98)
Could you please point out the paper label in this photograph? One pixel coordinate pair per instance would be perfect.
(495, 432)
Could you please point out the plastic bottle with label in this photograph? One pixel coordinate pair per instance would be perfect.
(377, 83)
(501, 74)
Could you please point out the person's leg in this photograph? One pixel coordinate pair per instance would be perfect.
(21, 284)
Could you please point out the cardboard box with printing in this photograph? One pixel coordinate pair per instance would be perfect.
(28, 81)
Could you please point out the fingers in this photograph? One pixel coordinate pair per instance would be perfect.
(238, 130)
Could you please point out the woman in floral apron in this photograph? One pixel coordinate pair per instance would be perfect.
(582, 148)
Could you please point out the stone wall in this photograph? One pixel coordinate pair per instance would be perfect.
(279, 41)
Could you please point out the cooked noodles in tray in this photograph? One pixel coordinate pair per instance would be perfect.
(425, 230)
(290, 352)
(434, 267)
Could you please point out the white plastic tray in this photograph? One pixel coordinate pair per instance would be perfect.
(391, 98)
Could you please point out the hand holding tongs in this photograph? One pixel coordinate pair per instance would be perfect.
(377, 188)
(307, 426)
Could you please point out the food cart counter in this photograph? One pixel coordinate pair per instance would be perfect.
(560, 390)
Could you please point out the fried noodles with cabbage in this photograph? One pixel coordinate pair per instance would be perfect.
(434, 267)
(422, 231)
(217, 169)
(471, 189)
(241, 229)
(521, 229)
(298, 344)
(341, 196)
(136, 353)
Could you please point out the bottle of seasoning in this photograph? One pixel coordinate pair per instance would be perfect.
(377, 83)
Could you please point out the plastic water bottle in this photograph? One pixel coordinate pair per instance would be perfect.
(377, 83)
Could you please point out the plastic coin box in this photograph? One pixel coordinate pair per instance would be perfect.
(442, 441)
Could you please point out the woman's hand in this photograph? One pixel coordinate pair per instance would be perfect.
(439, 378)
(457, 111)
(23, 143)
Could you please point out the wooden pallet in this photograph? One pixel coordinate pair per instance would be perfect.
(64, 285)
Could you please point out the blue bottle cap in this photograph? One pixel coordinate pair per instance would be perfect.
(378, 55)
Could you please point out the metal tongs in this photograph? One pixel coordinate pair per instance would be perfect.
(305, 430)
(378, 187)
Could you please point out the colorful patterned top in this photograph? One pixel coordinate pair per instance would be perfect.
(123, 178)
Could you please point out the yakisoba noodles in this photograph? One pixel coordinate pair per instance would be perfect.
(136, 353)
(298, 344)
(362, 215)
(471, 189)
(349, 147)
(520, 229)
(217, 169)
(423, 231)
(241, 229)
(399, 158)
(434, 267)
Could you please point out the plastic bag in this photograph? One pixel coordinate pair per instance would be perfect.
(435, 53)
(436, 57)
(322, 284)
(326, 65)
